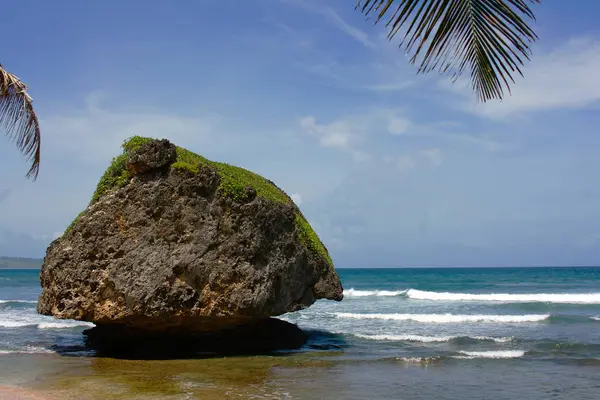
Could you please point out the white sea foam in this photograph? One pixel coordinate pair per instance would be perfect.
(350, 293)
(18, 301)
(407, 338)
(64, 324)
(27, 350)
(14, 324)
(491, 354)
(20, 320)
(596, 318)
(417, 360)
(45, 325)
(429, 339)
(503, 339)
(448, 318)
(581, 298)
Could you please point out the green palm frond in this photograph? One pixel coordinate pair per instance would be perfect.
(488, 37)
(18, 118)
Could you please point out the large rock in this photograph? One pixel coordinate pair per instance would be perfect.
(175, 242)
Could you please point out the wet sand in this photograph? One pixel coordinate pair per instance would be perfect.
(48, 377)
(16, 393)
(301, 376)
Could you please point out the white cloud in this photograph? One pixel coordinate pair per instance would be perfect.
(297, 198)
(568, 77)
(95, 134)
(345, 133)
(336, 134)
(398, 125)
(351, 133)
(408, 162)
(434, 156)
(355, 33)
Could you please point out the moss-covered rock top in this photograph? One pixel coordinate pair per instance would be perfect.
(234, 181)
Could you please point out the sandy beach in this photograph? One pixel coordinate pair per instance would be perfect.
(16, 393)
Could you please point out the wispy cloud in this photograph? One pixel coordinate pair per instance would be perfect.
(384, 76)
(320, 9)
(4, 194)
(567, 77)
(487, 142)
(405, 163)
(95, 133)
(382, 71)
(350, 133)
(360, 135)
(341, 134)
(352, 31)
(433, 156)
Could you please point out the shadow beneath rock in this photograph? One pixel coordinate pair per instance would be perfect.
(266, 336)
(319, 340)
(271, 336)
(324, 340)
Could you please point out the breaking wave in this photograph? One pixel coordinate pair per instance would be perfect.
(432, 339)
(419, 360)
(491, 354)
(40, 322)
(571, 298)
(27, 350)
(448, 318)
(350, 293)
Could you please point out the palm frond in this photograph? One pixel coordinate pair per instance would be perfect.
(19, 120)
(488, 37)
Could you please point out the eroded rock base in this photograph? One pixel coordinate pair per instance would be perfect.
(256, 337)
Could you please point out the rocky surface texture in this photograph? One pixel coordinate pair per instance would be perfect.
(172, 242)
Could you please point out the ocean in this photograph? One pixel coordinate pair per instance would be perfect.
(454, 333)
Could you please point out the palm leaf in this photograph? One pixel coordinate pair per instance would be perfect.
(488, 37)
(18, 118)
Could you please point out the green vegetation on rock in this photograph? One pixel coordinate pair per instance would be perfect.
(185, 167)
(115, 176)
(135, 142)
(74, 222)
(310, 239)
(234, 181)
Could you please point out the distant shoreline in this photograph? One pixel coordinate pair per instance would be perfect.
(36, 264)
(20, 263)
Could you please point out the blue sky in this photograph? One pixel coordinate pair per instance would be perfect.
(391, 168)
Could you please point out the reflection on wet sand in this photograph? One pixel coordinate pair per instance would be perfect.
(218, 378)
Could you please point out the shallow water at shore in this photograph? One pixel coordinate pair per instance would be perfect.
(299, 376)
(399, 334)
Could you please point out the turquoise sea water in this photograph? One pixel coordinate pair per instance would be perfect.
(502, 333)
